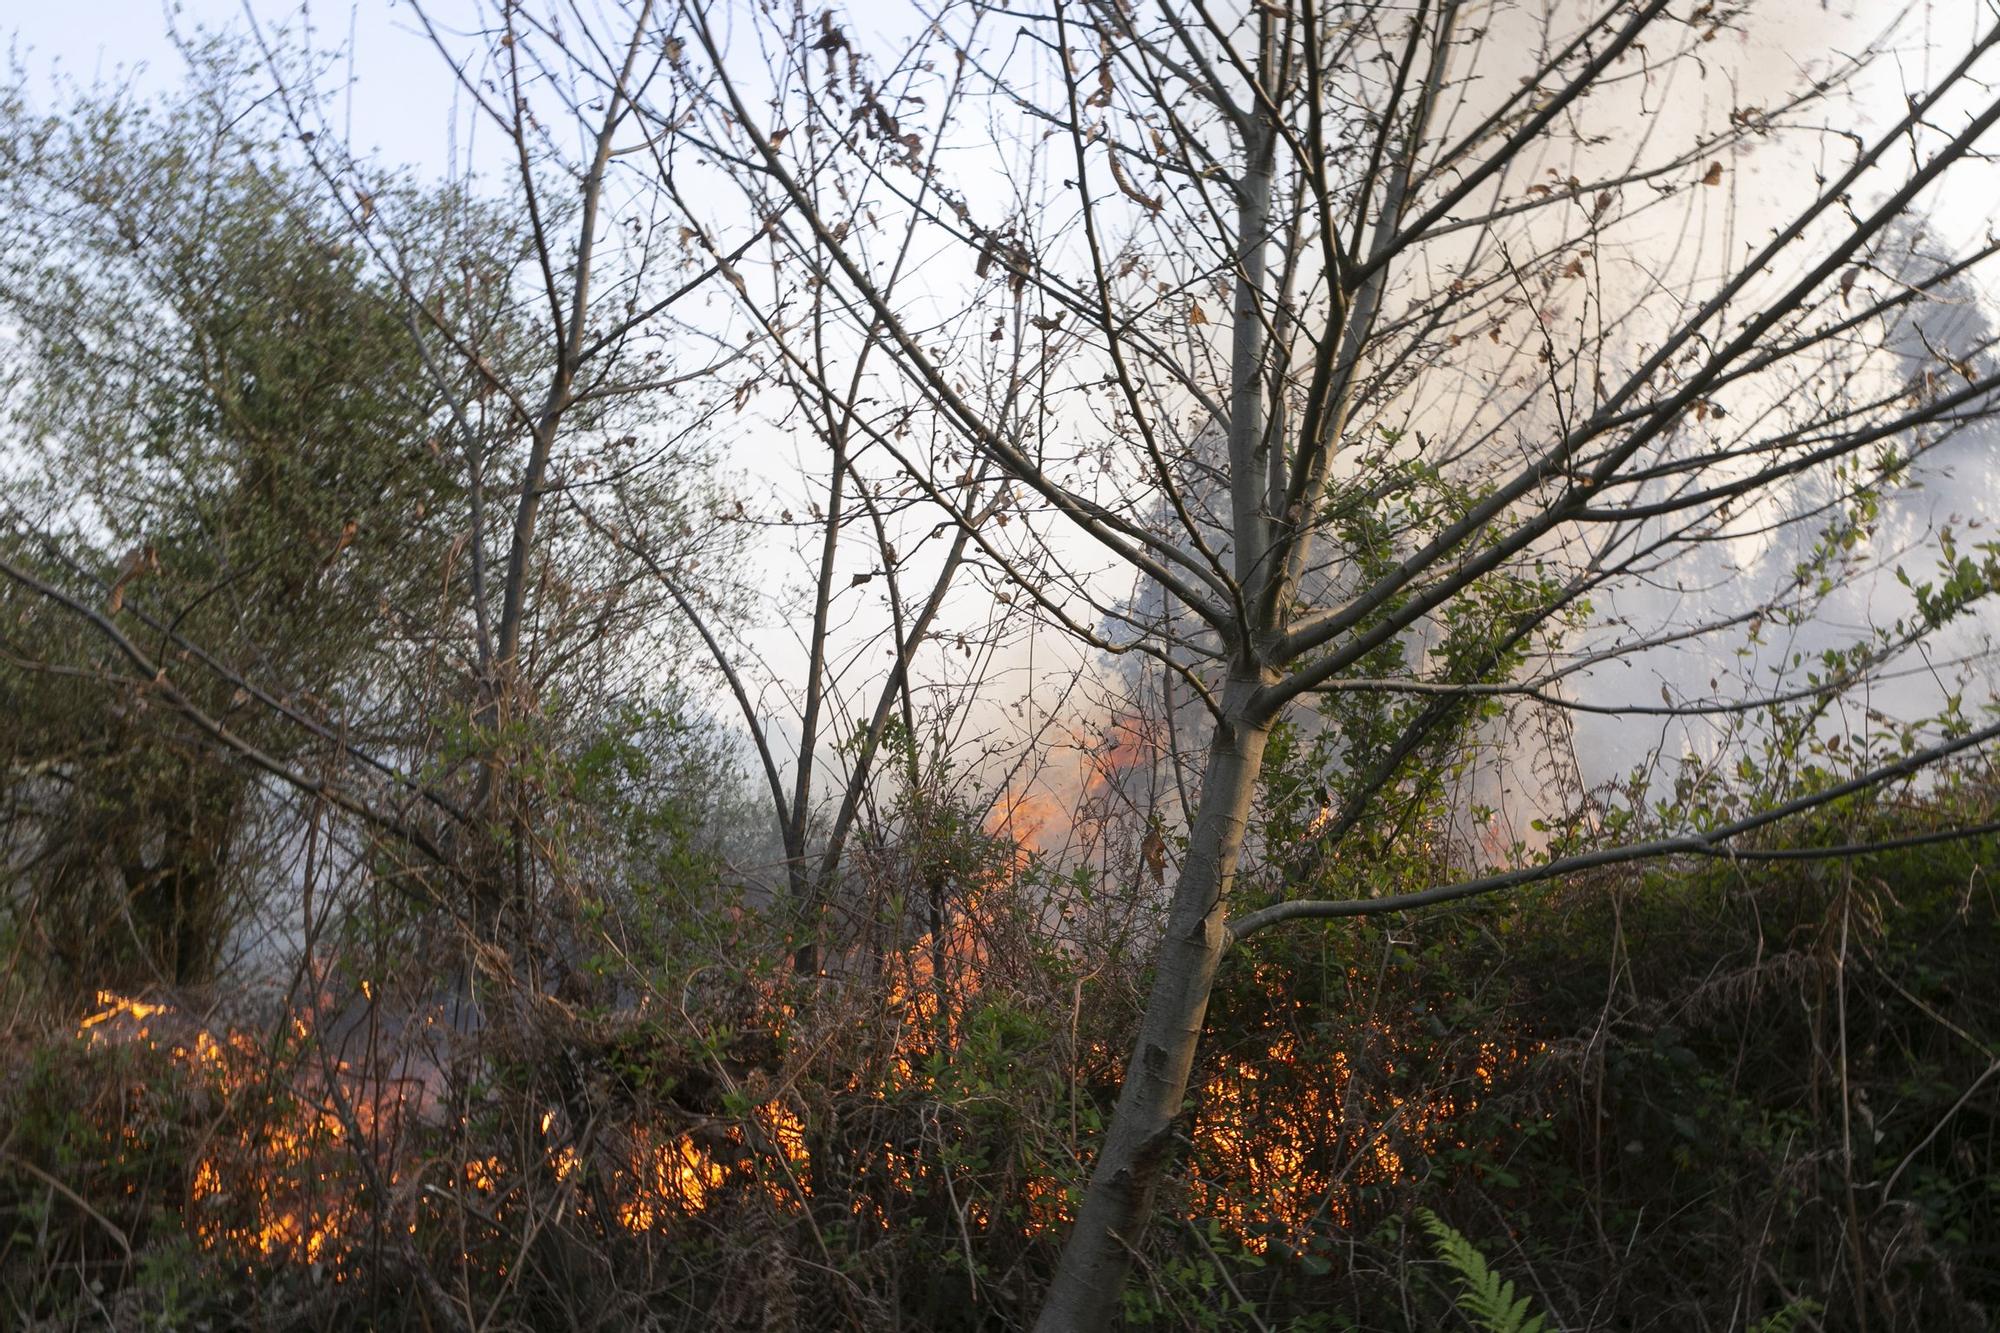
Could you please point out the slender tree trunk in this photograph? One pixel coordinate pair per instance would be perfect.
(1138, 1145)
(1119, 1202)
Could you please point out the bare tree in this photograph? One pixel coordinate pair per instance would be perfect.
(1368, 338)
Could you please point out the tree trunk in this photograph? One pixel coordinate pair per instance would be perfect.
(1139, 1143)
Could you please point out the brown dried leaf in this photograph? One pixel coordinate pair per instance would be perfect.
(1153, 851)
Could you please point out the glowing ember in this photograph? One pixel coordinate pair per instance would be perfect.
(117, 1007)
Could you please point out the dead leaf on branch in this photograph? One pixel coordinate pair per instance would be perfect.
(142, 561)
(1129, 190)
(1153, 851)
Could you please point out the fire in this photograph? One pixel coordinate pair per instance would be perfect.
(117, 1007)
(1286, 1143)
(262, 1190)
(1023, 818)
(1059, 807)
(282, 1186)
(1285, 1140)
(672, 1177)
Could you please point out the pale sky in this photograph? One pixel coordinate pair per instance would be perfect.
(401, 105)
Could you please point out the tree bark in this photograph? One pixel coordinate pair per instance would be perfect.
(1119, 1201)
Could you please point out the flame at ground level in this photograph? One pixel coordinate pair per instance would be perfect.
(308, 1159)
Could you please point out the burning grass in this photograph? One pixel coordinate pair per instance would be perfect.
(290, 1157)
(927, 1106)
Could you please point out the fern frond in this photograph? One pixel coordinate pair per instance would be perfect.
(1483, 1296)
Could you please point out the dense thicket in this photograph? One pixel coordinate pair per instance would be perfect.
(1627, 1092)
(393, 929)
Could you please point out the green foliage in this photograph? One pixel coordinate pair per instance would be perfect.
(1484, 1297)
(939, 1152)
(116, 1127)
(1788, 1317)
(1667, 1041)
(223, 421)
